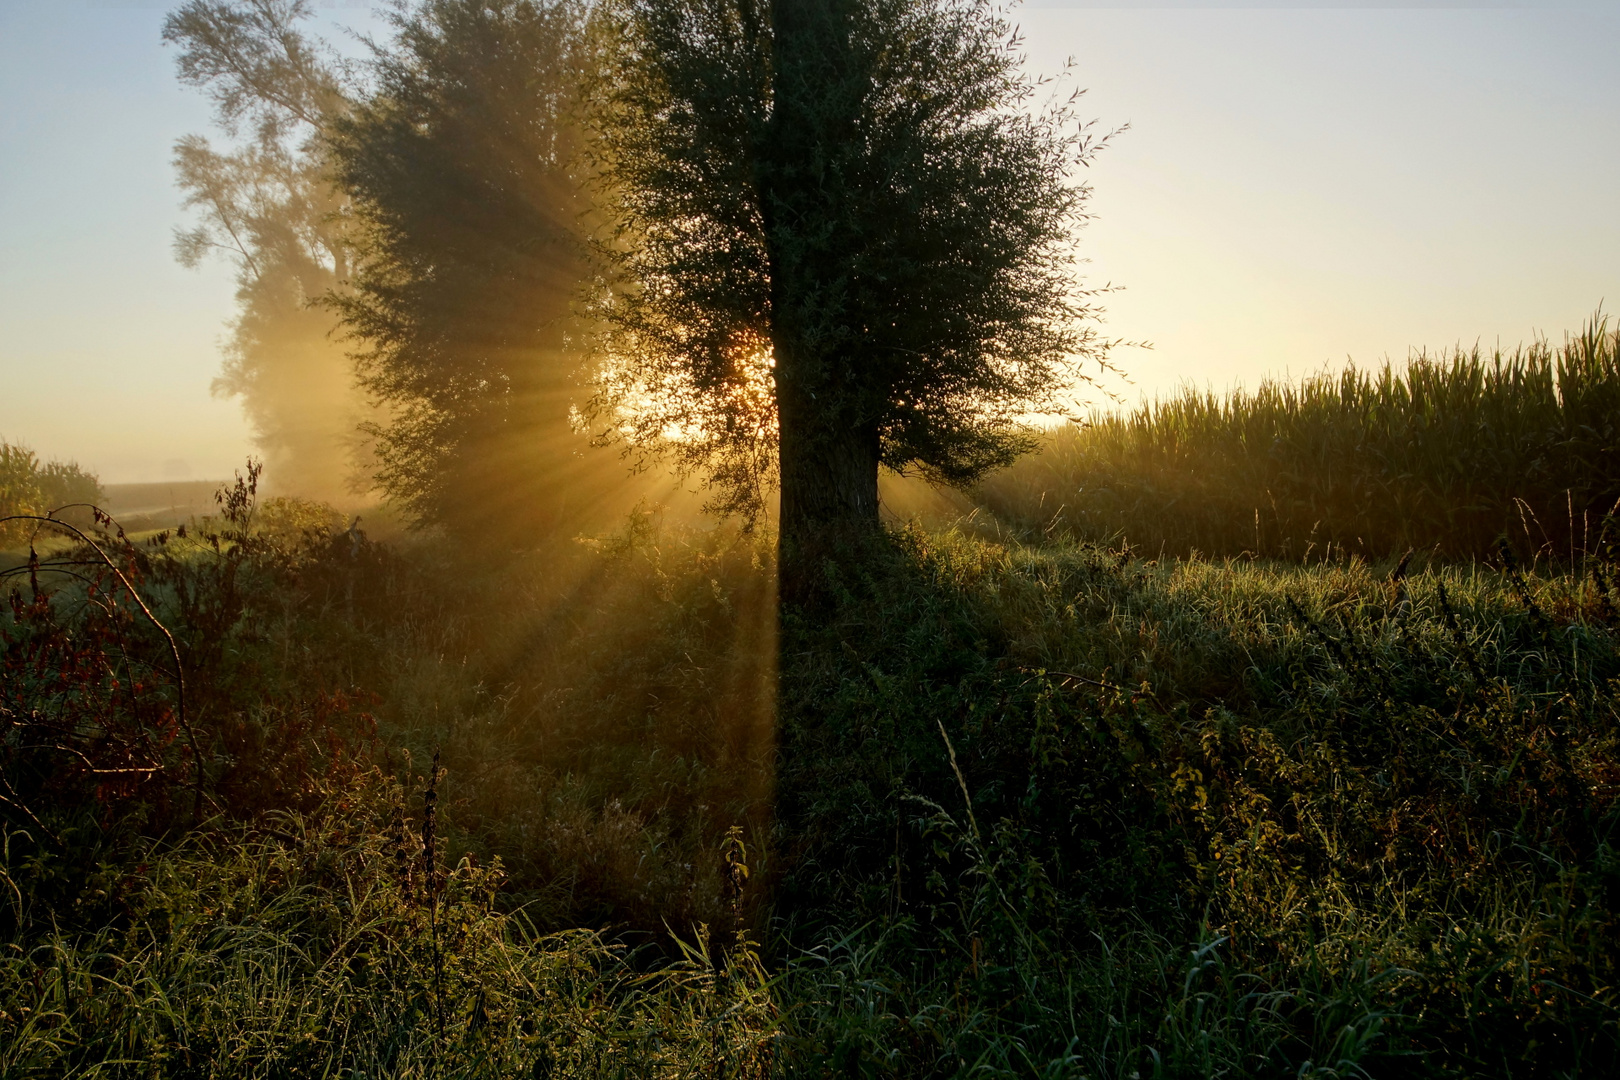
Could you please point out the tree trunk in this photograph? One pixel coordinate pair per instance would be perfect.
(828, 450)
(828, 471)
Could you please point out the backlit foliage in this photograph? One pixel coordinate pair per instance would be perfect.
(31, 486)
(1442, 456)
(926, 294)
(266, 204)
(462, 164)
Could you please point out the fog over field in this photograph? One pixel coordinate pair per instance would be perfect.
(1298, 186)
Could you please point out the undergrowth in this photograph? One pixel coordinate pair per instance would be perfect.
(988, 809)
(1057, 811)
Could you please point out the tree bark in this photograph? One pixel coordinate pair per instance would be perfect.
(828, 451)
(828, 472)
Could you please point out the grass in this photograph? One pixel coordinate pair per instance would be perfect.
(315, 940)
(1081, 814)
(1289, 832)
(991, 803)
(1443, 456)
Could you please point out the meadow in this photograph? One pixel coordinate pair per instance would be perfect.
(1026, 795)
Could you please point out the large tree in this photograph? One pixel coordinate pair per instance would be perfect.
(461, 164)
(266, 203)
(842, 239)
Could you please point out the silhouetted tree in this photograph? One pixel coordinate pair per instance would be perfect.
(842, 239)
(267, 204)
(460, 164)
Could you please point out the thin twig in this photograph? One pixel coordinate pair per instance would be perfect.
(9, 798)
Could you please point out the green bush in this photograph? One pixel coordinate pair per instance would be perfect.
(20, 492)
(29, 486)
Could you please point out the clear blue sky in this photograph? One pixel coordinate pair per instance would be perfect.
(1302, 183)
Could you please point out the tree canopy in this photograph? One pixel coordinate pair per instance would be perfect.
(266, 204)
(461, 164)
(786, 243)
(842, 238)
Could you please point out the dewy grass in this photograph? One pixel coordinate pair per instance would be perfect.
(1016, 810)
(1442, 455)
(1275, 825)
(296, 948)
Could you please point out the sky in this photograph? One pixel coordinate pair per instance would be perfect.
(1300, 184)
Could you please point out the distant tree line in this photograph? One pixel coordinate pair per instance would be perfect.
(781, 245)
(31, 486)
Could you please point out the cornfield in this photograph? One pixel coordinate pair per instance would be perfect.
(1445, 456)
